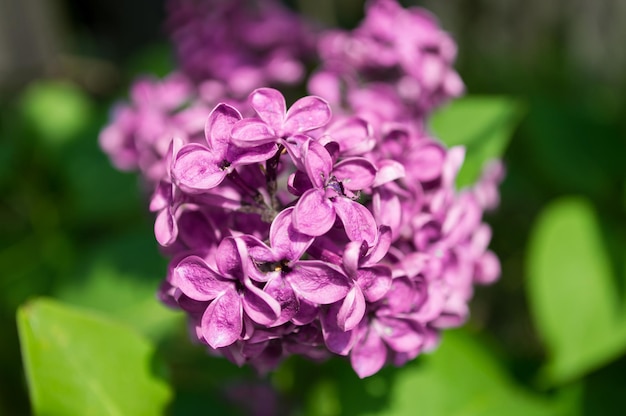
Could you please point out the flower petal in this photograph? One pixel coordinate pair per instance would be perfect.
(165, 227)
(313, 214)
(357, 220)
(196, 280)
(382, 246)
(368, 354)
(336, 340)
(251, 132)
(374, 281)
(308, 113)
(427, 162)
(318, 163)
(260, 306)
(352, 309)
(318, 282)
(270, 106)
(283, 293)
(355, 173)
(197, 169)
(161, 197)
(249, 155)
(388, 171)
(218, 126)
(400, 335)
(354, 135)
(232, 258)
(387, 209)
(222, 321)
(285, 239)
(352, 254)
(307, 313)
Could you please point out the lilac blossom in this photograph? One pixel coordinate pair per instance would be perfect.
(276, 122)
(333, 195)
(242, 47)
(330, 226)
(289, 277)
(229, 290)
(198, 168)
(397, 54)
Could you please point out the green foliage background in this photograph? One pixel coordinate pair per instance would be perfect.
(79, 265)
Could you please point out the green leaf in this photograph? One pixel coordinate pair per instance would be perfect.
(461, 378)
(126, 298)
(80, 364)
(572, 291)
(58, 110)
(484, 125)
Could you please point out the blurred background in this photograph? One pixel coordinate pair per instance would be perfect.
(74, 228)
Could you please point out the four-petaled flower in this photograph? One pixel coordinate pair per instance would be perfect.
(275, 122)
(198, 168)
(231, 294)
(290, 279)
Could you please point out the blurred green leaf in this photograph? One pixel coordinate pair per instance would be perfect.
(58, 110)
(125, 298)
(81, 364)
(572, 291)
(120, 276)
(462, 378)
(484, 125)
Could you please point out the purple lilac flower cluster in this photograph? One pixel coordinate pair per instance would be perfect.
(330, 226)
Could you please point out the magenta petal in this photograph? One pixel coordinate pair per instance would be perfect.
(280, 290)
(336, 340)
(387, 209)
(249, 155)
(269, 105)
(294, 145)
(222, 321)
(318, 282)
(382, 245)
(357, 220)
(487, 268)
(218, 126)
(232, 258)
(352, 255)
(354, 136)
(307, 313)
(313, 214)
(259, 251)
(196, 280)
(400, 335)
(308, 113)
(388, 171)
(197, 169)
(355, 173)
(352, 309)
(260, 306)
(165, 227)
(402, 295)
(251, 132)
(374, 281)
(161, 197)
(369, 354)
(298, 183)
(285, 239)
(318, 163)
(427, 162)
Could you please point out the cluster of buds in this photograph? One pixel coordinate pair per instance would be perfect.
(330, 226)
